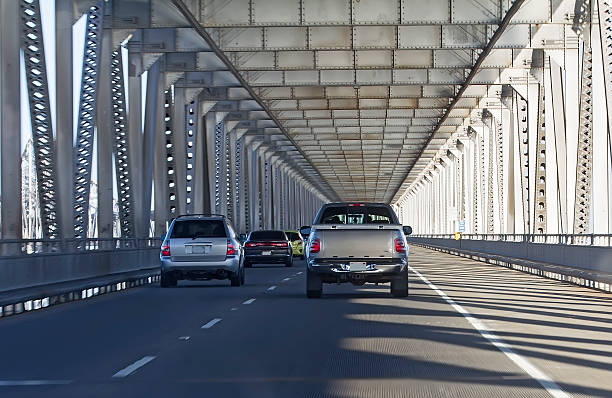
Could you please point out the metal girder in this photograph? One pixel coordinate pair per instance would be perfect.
(121, 147)
(584, 162)
(40, 116)
(86, 119)
(522, 111)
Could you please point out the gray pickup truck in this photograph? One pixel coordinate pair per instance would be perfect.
(358, 243)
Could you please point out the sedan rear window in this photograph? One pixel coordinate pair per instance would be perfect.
(199, 229)
(292, 236)
(356, 215)
(276, 235)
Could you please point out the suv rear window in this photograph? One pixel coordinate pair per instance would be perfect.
(199, 229)
(292, 236)
(276, 235)
(356, 215)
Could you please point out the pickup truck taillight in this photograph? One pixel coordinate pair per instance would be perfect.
(399, 246)
(231, 250)
(315, 246)
(165, 250)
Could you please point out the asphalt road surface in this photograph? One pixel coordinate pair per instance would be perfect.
(467, 329)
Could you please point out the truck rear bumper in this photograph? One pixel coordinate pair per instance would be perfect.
(338, 272)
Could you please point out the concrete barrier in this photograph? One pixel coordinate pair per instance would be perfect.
(35, 270)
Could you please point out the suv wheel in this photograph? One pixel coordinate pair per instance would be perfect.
(399, 285)
(167, 280)
(237, 279)
(314, 285)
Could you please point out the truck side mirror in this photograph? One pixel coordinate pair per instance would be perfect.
(305, 231)
(407, 230)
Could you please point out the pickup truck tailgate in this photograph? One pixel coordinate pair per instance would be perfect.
(361, 242)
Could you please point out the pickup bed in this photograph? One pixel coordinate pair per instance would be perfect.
(357, 243)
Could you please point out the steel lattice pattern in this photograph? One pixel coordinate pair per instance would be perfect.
(584, 165)
(86, 122)
(192, 121)
(523, 137)
(40, 116)
(170, 156)
(121, 146)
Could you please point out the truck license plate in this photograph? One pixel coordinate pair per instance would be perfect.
(357, 266)
(266, 253)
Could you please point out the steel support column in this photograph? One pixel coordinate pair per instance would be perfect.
(10, 100)
(63, 112)
(135, 136)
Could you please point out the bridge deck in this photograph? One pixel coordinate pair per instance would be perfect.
(354, 342)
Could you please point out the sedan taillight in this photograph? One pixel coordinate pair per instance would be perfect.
(399, 246)
(250, 244)
(166, 250)
(231, 250)
(315, 246)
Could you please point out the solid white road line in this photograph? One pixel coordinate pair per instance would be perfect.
(211, 323)
(272, 288)
(249, 301)
(553, 388)
(134, 367)
(9, 383)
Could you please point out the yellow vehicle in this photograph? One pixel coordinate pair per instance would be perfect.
(297, 243)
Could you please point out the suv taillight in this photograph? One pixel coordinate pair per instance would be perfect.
(166, 250)
(231, 250)
(399, 246)
(315, 246)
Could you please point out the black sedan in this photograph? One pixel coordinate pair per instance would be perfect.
(268, 247)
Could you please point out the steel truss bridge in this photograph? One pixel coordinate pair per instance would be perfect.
(486, 124)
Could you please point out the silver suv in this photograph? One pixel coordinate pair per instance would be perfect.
(201, 247)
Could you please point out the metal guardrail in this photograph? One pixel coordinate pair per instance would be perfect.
(34, 247)
(553, 239)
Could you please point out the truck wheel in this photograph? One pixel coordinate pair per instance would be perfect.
(399, 285)
(166, 280)
(314, 286)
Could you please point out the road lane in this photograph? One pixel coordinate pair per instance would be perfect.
(354, 342)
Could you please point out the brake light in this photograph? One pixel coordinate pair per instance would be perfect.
(356, 204)
(279, 244)
(231, 250)
(166, 250)
(315, 246)
(249, 244)
(399, 246)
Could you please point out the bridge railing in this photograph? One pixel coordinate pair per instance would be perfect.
(38, 247)
(553, 239)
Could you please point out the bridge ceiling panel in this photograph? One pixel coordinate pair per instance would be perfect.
(359, 86)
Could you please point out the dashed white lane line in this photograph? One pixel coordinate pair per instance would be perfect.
(185, 338)
(545, 381)
(249, 301)
(134, 367)
(212, 323)
(286, 279)
(271, 288)
(9, 383)
(299, 273)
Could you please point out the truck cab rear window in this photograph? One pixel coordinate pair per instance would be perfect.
(198, 229)
(356, 215)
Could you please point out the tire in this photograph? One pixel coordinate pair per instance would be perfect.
(302, 257)
(236, 279)
(167, 280)
(289, 263)
(242, 276)
(399, 285)
(314, 285)
(247, 264)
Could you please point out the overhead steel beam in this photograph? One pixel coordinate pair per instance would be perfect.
(485, 52)
(202, 32)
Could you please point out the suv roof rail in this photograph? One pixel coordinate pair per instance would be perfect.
(200, 215)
